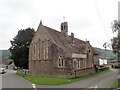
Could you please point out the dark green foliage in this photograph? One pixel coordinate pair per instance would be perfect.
(10, 62)
(115, 45)
(116, 40)
(20, 47)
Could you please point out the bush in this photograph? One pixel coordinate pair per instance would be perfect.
(10, 62)
(115, 66)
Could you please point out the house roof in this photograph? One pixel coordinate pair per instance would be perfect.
(66, 43)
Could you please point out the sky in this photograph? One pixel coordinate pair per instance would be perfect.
(87, 19)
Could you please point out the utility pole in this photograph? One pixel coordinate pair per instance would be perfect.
(118, 47)
(118, 44)
(119, 32)
(118, 54)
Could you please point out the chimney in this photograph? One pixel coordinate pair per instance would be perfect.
(72, 37)
(64, 28)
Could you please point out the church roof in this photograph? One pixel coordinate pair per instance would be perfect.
(65, 42)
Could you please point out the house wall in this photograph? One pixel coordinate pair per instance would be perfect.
(102, 61)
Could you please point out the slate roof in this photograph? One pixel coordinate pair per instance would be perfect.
(65, 42)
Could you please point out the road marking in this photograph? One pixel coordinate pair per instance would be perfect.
(34, 86)
(92, 88)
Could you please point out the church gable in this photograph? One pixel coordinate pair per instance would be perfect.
(41, 33)
(40, 44)
(56, 53)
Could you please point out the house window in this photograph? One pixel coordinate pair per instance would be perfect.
(60, 61)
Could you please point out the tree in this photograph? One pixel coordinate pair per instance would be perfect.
(20, 47)
(116, 40)
(114, 45)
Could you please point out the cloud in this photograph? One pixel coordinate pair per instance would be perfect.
(82, 24)
(82, 17)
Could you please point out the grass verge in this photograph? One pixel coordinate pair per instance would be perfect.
(114, 85)
(59, 81)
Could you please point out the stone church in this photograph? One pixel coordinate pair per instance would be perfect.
(57, 54)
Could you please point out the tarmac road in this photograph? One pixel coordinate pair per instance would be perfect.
(11, 80)
(100, 81)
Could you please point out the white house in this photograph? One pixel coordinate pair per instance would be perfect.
(102, 61)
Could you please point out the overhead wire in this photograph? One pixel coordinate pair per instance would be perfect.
(100, 19)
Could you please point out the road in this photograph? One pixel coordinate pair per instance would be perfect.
(11, 80)
(100, 81)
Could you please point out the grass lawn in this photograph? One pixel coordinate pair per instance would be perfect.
(114, 85)
(59, 81)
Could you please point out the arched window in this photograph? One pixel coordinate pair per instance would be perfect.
(60, 61)
(64, 27)
(89, 51)
(34, 47)
(61, 27)
(34, 50)
(78, 64)
(84, 63)
(39, 48)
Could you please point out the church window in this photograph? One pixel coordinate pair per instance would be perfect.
(39, 49)
(64, 27)
(60, 61)
(78, 64)
(61, 27)
(34, 48)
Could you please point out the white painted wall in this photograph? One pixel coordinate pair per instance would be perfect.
(102, 61)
